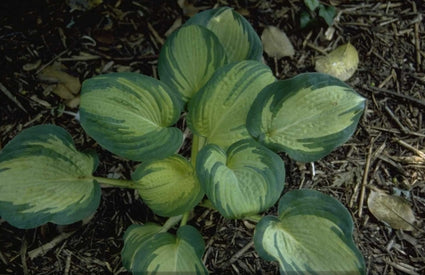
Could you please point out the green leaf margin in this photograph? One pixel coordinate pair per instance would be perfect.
(34, 142)
(248, 48)
(307, 203)
(269, 101)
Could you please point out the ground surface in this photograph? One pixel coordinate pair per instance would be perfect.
(127, 35)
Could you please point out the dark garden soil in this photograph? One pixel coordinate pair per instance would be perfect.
(387, 151)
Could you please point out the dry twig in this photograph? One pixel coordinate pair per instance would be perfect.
(39, 251)
(365, 177)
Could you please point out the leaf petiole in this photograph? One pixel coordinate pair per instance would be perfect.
(171, 222)
(116, 182)
(185, 217)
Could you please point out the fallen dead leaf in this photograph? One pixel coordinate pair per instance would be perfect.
(66, 86)
(393, 210)
(32, 66)
(276, 43)
(73, 102)
(188, 8)
(341, 63)
(177, 23)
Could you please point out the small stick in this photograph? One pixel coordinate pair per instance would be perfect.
(393, 116)
(405, 97)
(410, 147)
(388, 78)
(3, 258)
(155, 34)
(39, 251)
(238, 254)
(24, 256)
(402, 268)
(417, 39)
(314, 47)
(50, 62)
(365, 177)
(11, 97)
(67, 264)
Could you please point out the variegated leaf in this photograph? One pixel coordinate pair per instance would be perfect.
(149, 251)
(235, 33)
(312, 235)
(218, 112)
(168, 186)
(129, 114)
(134, 237)
(306, 116)
(245, 180)
(43, 178)
(189, 58)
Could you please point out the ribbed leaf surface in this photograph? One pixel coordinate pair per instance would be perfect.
(306, 116)
(168, 186)
(312, 235)
(129, 114)
(43, 178)
(219, 111)
(243, 181)
(147, 251)
(189, 58)
(235, 33)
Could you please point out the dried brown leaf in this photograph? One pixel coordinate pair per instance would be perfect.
(276, 43)
(32, 66)
(55, 73)
(392, 210)
(177, 23)
(73, 103)
(188, 8)
(67, 86)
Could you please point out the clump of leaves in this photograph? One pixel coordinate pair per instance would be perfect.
(240, 117)
(315, 12)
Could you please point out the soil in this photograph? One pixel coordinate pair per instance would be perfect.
(386, 152)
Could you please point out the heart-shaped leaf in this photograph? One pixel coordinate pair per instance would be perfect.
(129, 114)
(235, 33)
(168, 186)
(243, 181)
(219, 110)
(306, 116)
(43, 178)
(189, 58)
(149, 251)
(312, 235)
(134, 237)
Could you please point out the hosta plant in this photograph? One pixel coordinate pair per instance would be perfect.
(239, 117)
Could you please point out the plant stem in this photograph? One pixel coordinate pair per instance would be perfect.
(170, 223)
(253, 218)
(116, 182)
(206, 204)
(184, 219)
